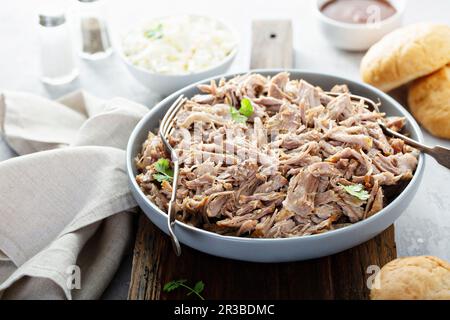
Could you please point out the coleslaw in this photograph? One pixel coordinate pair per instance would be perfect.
(179, 44)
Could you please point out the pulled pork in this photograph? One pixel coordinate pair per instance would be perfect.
(287, 170)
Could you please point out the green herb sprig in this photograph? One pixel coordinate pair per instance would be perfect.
(164, 171)
(236, 116)
(357, 190)
(245, 111)
(197, 289)
(246, 107)
(154, 33)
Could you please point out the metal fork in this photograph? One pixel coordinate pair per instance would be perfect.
(441, 154)
(164, 131)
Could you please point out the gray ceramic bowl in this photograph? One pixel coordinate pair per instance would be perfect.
(278, 250)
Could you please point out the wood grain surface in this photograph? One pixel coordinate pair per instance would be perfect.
(341, 276)
(272, 45)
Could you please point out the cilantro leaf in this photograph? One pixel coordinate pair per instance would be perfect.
(246, 107)
(357, 190)
(161, 177)
(172, 285)
(198, 288)
(155, 33)
(236, 116)
(162, 165)
(245, 111)
(165, 173)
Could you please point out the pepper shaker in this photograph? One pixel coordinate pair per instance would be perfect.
(58, 64)
(94, 38)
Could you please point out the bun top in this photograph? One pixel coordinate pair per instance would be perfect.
(429, 102)
(423, 278)
(406, 54)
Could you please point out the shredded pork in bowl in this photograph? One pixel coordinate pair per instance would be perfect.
(271, 157)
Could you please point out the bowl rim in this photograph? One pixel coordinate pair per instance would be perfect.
(119, 47)
(400, 9)
(332, 233)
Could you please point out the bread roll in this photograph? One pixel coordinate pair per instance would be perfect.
(429, 102)
(406, 54)
(424, 278)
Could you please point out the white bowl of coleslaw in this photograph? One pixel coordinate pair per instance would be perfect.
(169, 53)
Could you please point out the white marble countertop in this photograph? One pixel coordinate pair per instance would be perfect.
(424, 228)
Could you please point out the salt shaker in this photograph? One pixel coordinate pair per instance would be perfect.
(58, 64)
(94, 39)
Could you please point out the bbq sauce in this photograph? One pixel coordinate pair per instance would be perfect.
(358, 11)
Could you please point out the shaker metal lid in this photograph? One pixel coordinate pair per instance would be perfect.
(51, 20)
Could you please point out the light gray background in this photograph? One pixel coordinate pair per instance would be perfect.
(424, 227)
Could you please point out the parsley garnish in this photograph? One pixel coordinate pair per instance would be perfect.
(357, 190)
(155, 33)
(198, 287)
(244, 112)
(236, 116)
(164, 171)
(246, 107)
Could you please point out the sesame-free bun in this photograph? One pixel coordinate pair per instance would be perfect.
(429, 102)
(421, 278)
(406, 54)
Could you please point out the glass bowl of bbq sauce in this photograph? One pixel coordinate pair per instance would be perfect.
(355, 25)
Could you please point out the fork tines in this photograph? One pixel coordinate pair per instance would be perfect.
(167, 121)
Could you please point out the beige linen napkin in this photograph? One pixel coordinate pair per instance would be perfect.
(65, 202)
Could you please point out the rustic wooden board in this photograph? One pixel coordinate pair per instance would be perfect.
(272, 45)
(341, 276)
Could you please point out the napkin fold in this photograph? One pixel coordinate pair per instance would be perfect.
(65, 204)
